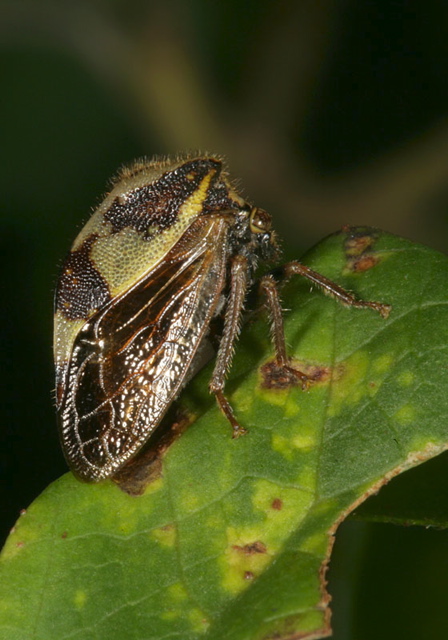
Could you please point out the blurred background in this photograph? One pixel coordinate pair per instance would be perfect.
(328, 111)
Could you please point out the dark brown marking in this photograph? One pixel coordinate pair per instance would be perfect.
(157, 204)
(218, 199)
(357, 249)
(364, 263)
(64, 534)
(81, 288)
(252, 548)
(357, 245)
(277, 504)
(275, 377)
(248, 575)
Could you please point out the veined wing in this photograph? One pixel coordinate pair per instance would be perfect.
(130, 359)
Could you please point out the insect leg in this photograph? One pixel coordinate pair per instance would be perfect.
(332, 289)
(269, 287)
(232, 322)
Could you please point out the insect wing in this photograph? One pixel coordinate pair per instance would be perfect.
(130, 360)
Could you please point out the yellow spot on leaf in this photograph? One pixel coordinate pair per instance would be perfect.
(383, 363)
(292, 406)
(307, 477)
(198, 620)
(190, 502)
(406, 378)
(304, 441)
(283, 446)
(177, 592)
(245, 554)
(166, 536)
(405, 415)
(278, 524)
(316, 544)
(352, 386)
(79, 599)
(154, 486)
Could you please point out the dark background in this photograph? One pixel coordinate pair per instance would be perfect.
(329, 112)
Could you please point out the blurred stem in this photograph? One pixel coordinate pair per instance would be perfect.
(154, 69)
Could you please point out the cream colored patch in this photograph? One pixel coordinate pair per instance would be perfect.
(150, 173)
(124, 258)
(65, 332)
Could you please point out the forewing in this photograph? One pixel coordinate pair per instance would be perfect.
(130, 360)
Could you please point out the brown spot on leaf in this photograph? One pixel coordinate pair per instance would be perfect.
(277, 504)
(248, 575)
(275, 377)
(64, 535)
(364, 263)
(251, 548)
(358, 247)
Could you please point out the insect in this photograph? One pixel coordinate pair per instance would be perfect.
(171, 246)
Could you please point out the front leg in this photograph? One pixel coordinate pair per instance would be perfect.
(270, 288)
(232, 324)
(332, 289)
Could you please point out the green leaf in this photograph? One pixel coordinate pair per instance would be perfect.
(231, 540)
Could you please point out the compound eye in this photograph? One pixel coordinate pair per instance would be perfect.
(260, 221)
